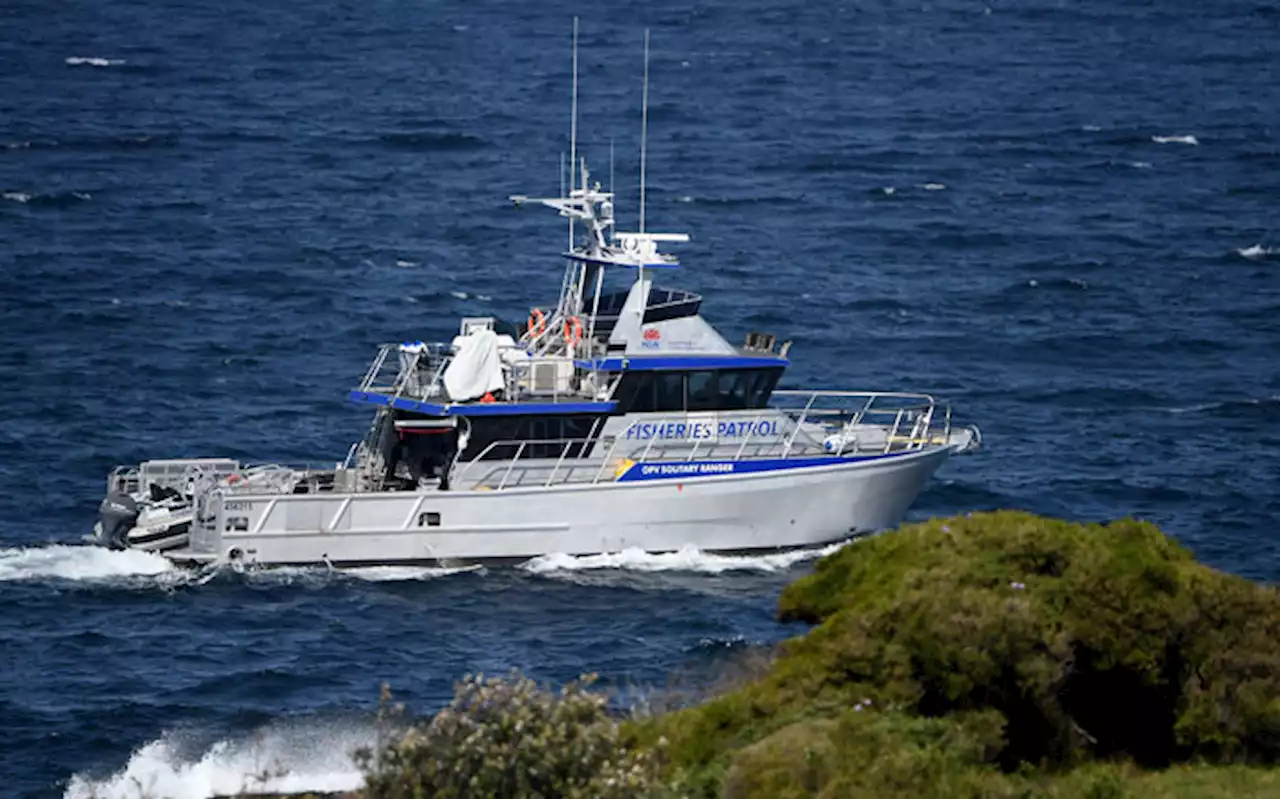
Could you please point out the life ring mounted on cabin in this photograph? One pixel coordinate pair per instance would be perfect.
(572, 331)
(537, 323)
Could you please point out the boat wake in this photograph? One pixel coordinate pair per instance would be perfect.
(687, 559)
(133, 568)
(83, 563)
(279, 759)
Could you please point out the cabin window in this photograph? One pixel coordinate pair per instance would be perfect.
(701, 393)
(668, 391)
(696, 390)
(735, 390)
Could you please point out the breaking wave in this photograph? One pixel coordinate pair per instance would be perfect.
(1192, 140)
(285, 759)
(687, 559)
(1257, 252)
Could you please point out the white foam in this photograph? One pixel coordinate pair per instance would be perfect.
(91, 61)
(933, 186)
(17, 196)
(462, 295)
(63, 562)
(1192, 140)
(393, 574)
(1140, 164)
(1257, 252)
(273, 760)
(687, 559)
(888, 189)
(403, 263)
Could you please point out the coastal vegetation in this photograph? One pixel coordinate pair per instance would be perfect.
(986, 655)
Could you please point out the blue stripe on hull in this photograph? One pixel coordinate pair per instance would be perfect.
(686, 469)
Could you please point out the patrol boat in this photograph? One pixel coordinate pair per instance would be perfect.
(619, 418)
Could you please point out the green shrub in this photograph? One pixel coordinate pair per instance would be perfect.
(1083, 641)
(509, 738)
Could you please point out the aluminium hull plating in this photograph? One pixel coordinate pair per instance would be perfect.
(768, 510)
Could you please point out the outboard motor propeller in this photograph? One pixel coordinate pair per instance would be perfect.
(117, 515)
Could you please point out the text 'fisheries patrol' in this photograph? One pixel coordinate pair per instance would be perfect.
(694, 430)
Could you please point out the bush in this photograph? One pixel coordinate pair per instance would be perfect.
(1076, 642)
(509, 738)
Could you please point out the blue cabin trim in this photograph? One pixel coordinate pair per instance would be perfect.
(641, 363)
(479, 408)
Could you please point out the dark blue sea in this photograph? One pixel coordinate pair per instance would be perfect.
(1064, 217)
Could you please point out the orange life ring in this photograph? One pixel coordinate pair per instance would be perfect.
(537, 323)
(572, 331)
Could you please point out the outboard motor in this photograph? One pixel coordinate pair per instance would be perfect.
(117, 515)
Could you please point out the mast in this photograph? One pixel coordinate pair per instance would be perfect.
(644, 132)
(567, 286)
(644, 124)
(573, 124)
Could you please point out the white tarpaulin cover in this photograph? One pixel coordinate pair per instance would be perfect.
(476, 367)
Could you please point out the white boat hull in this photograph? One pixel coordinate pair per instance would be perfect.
(777, 509)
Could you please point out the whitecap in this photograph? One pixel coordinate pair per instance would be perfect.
(888, 189)
(484, 298)
(933, 186)
(462, 295)
(17, 196)
(1091, 128)
(1192, 140)
(1257, 252)
(91, 61)
(92, 563)
(1140, 164)
(404, 263)
(687, 559)
(316, 757)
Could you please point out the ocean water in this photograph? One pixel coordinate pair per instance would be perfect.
(1061, 216)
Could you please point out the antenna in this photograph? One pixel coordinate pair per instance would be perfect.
(644, 124)
(573, 124)
(611, 165)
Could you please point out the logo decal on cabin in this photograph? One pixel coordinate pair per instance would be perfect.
(652, 338)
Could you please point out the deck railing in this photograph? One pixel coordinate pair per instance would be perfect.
(862, 423)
